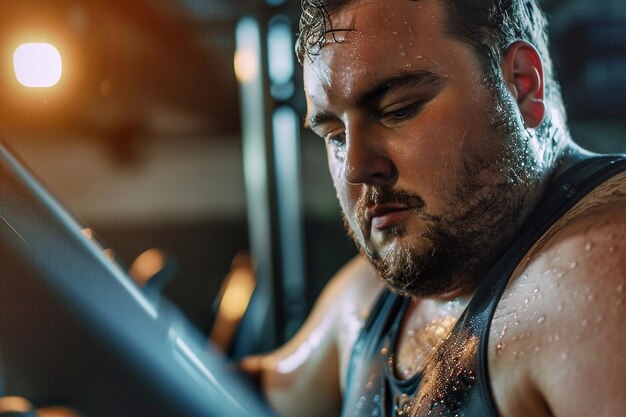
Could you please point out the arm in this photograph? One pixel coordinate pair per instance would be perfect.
(585, 374)
(302, 378)
(558, 341)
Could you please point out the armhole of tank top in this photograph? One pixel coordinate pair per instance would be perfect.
(380, 303)
(598, 169)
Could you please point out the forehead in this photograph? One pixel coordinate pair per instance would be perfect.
(373, 39)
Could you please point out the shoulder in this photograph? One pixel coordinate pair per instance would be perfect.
(356, 284)
(559, 328)
(354, 290)
(315, 359)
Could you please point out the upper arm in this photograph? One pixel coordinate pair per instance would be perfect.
(559, 335)
(583, 373)
(302, 378)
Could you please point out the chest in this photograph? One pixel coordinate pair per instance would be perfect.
(428, 370)
(416, 344)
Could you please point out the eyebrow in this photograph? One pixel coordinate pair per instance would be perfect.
(379, 91)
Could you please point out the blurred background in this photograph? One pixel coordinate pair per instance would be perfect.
(172, 129)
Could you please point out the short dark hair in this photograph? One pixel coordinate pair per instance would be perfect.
(489, 26)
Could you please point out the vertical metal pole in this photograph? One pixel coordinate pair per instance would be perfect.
(288, 192)
(272, 173)
(287, 157)
(260, 322)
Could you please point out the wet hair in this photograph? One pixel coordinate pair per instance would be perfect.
(489, 26)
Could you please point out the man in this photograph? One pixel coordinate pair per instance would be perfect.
(502, 268)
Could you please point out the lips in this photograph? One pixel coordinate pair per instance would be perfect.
(383, 216)
(381, 209)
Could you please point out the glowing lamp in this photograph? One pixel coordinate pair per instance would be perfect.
(37, 65)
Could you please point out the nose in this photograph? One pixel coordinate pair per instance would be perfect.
(367, 160)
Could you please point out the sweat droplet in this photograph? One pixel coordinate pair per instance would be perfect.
(588, 246)
(573, 264)
(541, 319)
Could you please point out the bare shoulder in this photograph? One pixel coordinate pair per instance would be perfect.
(310, 360)
(356, 287)
(559, 333)
(357, 284)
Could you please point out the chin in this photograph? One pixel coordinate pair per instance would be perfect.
(422, 267)
(405, 265)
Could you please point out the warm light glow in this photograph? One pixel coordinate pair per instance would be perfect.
(56, 411)
(147, 265)
(237, 294)
(17, 405)
(246, 65)
(37, 65)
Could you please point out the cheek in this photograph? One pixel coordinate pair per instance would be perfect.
(452, 126)
(435, 152)
(346, 194)
(335, 168)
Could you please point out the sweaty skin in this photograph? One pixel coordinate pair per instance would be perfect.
(557, 340)
(432, 176)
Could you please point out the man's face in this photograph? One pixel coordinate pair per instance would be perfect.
(427, 154)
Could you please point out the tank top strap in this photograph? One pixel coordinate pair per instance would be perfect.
(569, 188)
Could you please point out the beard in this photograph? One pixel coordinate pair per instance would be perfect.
(455, 248)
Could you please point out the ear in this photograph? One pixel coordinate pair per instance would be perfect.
(523, 74)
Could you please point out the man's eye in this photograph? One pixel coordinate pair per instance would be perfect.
(336, 143)
(403, 113)
(336, 139)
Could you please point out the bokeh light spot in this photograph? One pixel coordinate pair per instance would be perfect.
(37, 65)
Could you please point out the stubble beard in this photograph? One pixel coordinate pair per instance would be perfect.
(457, 247)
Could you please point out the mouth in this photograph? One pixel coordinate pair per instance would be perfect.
(378, 210)
(385, 216)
